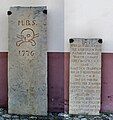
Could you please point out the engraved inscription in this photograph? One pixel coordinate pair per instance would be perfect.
(27, 61)
(85, 76)
(26, 23)
(26, 53)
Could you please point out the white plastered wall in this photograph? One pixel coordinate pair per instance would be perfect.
(89, 19)
(55, 22)
(75, 18)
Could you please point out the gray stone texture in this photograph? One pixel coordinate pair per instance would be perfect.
(85, 76)
(27, 61)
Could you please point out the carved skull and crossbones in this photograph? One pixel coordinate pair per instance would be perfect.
(27, 35)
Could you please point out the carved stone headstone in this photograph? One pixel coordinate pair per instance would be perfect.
(85, 76)
(27, 88)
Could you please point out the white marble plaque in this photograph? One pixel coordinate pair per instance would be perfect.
(85, 76)
(27, 64)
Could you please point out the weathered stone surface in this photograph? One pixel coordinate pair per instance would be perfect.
(27, 88)
(85, 76)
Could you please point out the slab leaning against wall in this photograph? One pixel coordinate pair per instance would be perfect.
(27, 65)
(85, 76)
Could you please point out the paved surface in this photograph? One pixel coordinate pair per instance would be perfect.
(5, 116)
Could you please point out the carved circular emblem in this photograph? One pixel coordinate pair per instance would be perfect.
(27, 35)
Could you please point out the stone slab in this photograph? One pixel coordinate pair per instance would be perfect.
(27, 60)
(85, 76)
